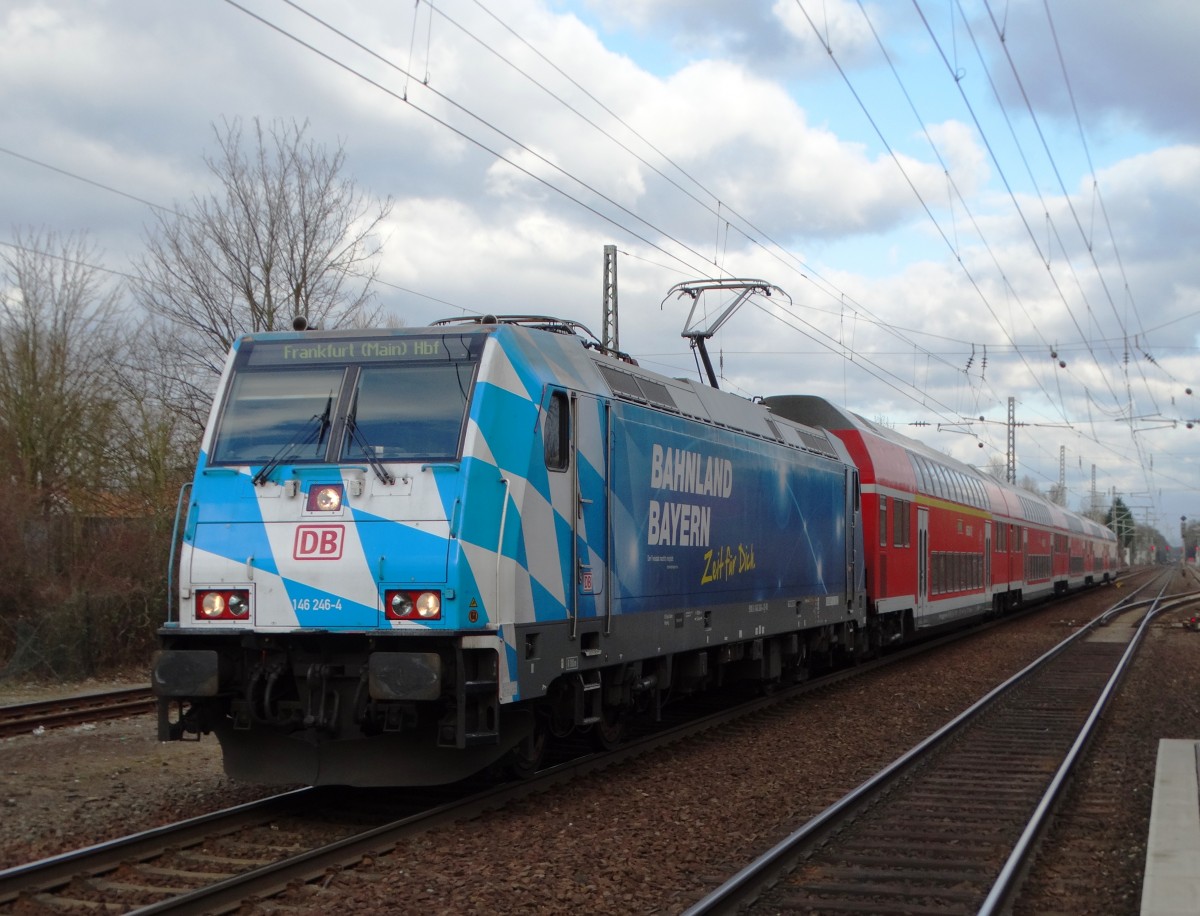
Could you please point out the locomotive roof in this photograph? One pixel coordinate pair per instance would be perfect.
(566, 352)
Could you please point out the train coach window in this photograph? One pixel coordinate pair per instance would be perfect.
(901, 522)
(556, 432)
(941, 484)
(883, 525)
(918, 463)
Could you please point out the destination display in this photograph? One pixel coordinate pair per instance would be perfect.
(299, 351)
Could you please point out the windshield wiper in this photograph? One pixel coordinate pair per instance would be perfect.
(385, 476)
(313, 435)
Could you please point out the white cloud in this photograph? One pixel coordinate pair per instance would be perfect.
(732, 103)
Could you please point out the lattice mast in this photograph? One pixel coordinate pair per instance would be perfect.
(609, 335)
(1012, 440)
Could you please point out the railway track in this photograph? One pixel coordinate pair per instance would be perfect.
(950, 826)
(22, 718)
(206, 863)
(213, 863)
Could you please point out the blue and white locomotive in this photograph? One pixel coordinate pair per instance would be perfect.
(408, 555)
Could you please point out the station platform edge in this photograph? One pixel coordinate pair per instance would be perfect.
(1171, 885)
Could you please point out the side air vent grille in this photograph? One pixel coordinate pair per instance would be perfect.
(816, 443)
(627, 385)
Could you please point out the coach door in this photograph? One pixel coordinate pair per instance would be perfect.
(987, 560)
(591, 542)
(922, 562)
(855, 586)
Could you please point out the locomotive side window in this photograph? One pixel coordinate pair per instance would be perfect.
(270, 412)
(556, 432)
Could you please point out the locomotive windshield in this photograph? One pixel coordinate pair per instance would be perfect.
(270, 411)
(408, 412)
(381, 399)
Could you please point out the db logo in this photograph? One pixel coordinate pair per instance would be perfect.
(318, 542)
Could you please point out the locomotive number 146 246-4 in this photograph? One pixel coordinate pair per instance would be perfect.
(316, 604)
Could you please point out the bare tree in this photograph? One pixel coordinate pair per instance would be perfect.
(1057, 494)
(997, 468)
(157, 429)
(58, 343)
(1028, 483)
(283, 235)
(90, 462)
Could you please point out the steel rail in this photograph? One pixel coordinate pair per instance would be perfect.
(54, 870)
(748, 882)
(1006, 884)
(22, 718)
(268, 879)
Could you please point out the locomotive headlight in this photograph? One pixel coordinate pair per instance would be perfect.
(238, 606)
(325, 498)
(212, 605)
(401, 605)
(429, 605)
(225, 604)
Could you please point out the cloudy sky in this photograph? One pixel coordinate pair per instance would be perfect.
(947, 192)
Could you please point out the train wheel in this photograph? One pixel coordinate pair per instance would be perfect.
(610, 730)
(525, 759)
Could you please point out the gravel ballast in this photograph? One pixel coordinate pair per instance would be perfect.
(654, 835)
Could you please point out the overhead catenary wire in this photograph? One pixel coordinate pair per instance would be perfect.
(854, 316)
(734, 220)
(475, 141)
(466, 136)
(384, 282)
(952, 244)
(1043, 253)
(972, 280)
(1049, 396)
